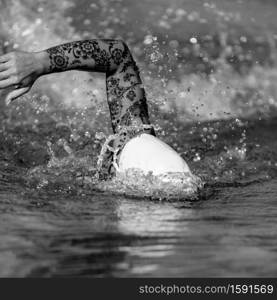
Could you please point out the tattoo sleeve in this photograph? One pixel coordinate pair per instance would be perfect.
(125, 93)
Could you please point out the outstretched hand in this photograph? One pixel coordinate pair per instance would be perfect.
(18, 71)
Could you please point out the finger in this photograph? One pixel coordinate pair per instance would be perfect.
(4, 66)
(5, 75)
(7, 82)
(4, 58)
(15, 94)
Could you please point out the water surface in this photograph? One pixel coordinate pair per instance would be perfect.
(214, 101)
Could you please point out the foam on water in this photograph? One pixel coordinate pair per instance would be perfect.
(169, 186)
(78, 174)
(214, 69)
(201, 61)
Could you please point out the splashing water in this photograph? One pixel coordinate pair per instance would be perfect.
(209, 69)
(195, 78)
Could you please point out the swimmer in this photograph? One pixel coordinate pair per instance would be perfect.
(134, 144)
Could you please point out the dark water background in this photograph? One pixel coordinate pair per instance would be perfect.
(209, 68)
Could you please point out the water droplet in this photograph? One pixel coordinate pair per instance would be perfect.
(193, 40)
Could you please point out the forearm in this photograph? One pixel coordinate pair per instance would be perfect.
(91, 55)
(126, 96)
(125, 93)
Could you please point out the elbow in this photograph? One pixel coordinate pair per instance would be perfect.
(125, 49)
(122, 44)
(120, 54)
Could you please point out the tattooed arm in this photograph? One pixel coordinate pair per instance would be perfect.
(125, 94)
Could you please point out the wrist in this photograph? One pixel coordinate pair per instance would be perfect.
(42, 62)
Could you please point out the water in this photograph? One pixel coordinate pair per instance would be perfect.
(219, 113)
